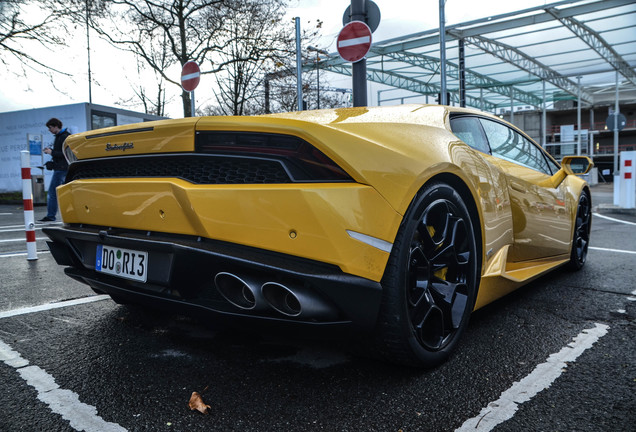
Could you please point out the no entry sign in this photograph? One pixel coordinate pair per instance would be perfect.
(190, 76)
(354, 41)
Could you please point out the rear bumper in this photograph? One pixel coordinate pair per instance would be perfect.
(182, 272)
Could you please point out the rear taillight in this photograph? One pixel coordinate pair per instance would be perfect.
(303, 161)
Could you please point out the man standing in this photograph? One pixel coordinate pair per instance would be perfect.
(58, 164)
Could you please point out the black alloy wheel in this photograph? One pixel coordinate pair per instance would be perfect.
(431, 280)
(582, 227)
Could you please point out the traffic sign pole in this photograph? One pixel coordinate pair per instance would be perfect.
(190, 77)
(616, 111)
(192, 109)
(442, 56)
(359, 72)
(299, 69)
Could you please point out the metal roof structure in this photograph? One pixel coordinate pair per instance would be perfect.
(508, 59)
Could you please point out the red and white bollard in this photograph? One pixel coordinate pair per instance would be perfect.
(27, 199)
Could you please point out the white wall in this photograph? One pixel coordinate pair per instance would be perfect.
(14, 127)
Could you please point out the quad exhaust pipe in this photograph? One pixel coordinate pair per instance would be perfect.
(242, 292)
(296, 301)
(292, 301)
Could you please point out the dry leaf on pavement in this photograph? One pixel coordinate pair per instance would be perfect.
(196, 403)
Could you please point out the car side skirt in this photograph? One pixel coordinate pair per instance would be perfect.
(502, 277)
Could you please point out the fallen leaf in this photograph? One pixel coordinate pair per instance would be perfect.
(196, 403)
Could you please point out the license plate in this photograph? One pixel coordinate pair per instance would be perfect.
(125, 263)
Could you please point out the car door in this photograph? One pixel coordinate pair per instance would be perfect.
(491, 183)
(540, 223)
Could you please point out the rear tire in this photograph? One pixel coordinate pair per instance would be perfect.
(430, 283)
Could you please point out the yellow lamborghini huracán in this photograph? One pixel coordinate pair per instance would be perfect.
(393, 222)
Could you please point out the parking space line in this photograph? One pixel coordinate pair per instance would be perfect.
(613, 219)
(21, 240)
(15, 254)
(18, 228)
(50, 306)
(613, 250)
(81, 416)
(540, 378)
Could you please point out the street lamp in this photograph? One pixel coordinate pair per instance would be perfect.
(318, 51)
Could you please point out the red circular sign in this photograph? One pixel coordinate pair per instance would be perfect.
(354, 41)
(190, 76)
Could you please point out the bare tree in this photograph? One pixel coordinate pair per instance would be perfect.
(283, 93)
(153, 99)
(167, 33)
(255, 41)
(23, 32)
(261, 46)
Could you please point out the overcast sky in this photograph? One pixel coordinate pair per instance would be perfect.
(112, 68)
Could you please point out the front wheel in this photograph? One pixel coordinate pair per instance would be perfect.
(430, 282)
(581, 238)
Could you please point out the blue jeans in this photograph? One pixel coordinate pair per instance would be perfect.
(51, 202)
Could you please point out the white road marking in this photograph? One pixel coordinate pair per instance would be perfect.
(50, 306)
(82, 417)
(15, 229)
(9, 255)
(613, 219)
(21, 240)
(613, 250)
(38, 226)
(539, 379)
(6, 227)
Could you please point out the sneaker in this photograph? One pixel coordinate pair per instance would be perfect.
(46, 219)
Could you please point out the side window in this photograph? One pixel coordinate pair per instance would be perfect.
(469, 130)
(512, 146)
(553, 165)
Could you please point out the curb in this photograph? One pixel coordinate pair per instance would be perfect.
(610, 208)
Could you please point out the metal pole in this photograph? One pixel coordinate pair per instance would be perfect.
(616, 111)
(462, 75)
(359, 68)
(442, 54)
(192, 108)
(318, 52)
(591, 131)
(578, 118)
(512, 107)
(88, 49)
(267, 109)
(481, 99)
(318, 81)
(299, 68)
(544, 139)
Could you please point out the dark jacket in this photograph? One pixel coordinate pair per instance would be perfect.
(59, 161)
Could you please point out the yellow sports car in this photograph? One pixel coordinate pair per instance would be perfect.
(393, 222)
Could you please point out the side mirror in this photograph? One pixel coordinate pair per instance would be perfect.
(577, 164)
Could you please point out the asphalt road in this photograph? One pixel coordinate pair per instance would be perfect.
(557, 355)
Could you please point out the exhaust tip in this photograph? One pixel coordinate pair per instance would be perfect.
(235, 290)
(281, 299)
